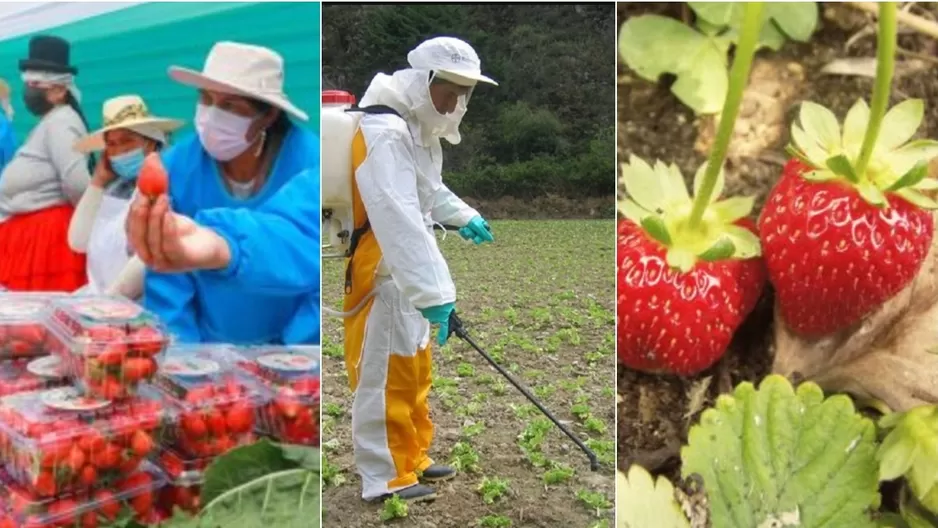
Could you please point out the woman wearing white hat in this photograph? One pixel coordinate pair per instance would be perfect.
(128, 133)
(246, 148)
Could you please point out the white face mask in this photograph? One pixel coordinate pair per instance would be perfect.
(222, 133)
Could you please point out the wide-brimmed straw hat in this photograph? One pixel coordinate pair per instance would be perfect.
(125, 111)
(250, 71)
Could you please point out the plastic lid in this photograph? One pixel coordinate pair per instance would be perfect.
(295, 367)
(199, 376)
(107, 320)
(19, 505)
(63, 413)
(183, 470)
(24, 307)
(337, 97)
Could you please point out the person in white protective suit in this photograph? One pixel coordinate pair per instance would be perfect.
(397, 281)
(128, 134)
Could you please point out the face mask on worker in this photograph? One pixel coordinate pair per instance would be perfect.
(127, 165)
(35, 100)
(223, 134)
(439, 125)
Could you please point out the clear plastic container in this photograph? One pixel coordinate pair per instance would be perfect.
(130, 497)
(25, 375)
(185, 476)
(216, 401)
(109, 344)
(23, 332)
(57, 441)
(291, 376)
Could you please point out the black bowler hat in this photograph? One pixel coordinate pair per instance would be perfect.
(48, 54)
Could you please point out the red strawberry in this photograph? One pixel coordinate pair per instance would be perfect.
(675, 322)
(834, 258)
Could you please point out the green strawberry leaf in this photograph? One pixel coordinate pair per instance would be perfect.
(914, 513)
(717, 188)
(776, 456)
(842, 167)
(911, 450)
(716, 13)
(911, 178)
(642, 502)
(653, 45)
(928, 184)
(916, 198)
(794, 20)
(656, 228)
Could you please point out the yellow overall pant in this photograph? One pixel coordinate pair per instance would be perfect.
(388, 359)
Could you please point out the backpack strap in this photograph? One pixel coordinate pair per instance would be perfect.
(359, 232)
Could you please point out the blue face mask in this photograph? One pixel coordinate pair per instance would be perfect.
(127, 165)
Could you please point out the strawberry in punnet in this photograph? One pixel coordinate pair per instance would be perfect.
(850, 222)
(689, 268)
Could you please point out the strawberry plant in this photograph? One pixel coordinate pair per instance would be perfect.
(653, 45)
(689, 270)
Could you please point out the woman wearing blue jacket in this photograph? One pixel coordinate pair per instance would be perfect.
(8, 143)
(245, 150)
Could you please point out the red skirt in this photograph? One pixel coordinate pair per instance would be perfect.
(34, 252)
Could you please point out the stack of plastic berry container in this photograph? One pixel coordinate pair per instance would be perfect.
(290, 375)
(131, 497)
(57, 441)
(23, 331)
(216, 401)
(108, 345)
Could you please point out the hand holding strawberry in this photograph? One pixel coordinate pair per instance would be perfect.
(689, 270)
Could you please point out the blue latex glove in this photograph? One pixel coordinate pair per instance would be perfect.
(439, 315)
(477, 230)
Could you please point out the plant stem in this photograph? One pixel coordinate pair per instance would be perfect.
(739, 76)
(885, 65)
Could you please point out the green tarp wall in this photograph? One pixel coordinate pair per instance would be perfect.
(129, 51)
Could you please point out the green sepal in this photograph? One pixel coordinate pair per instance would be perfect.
(723, 249)
(681, 259)
(732, 209)
(746, 242)
(841, 166)
(911, 178)
(794, 152)
(916, 198)
(910, 449)
(632, 210)
(717, 188)
(656, 228)
(871, 194)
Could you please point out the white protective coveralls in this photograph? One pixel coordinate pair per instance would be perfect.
(398, 188)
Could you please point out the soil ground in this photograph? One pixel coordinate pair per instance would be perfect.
(654, 413)
(540, 301)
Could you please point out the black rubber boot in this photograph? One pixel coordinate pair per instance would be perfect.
(415, 493)
(438, 473)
